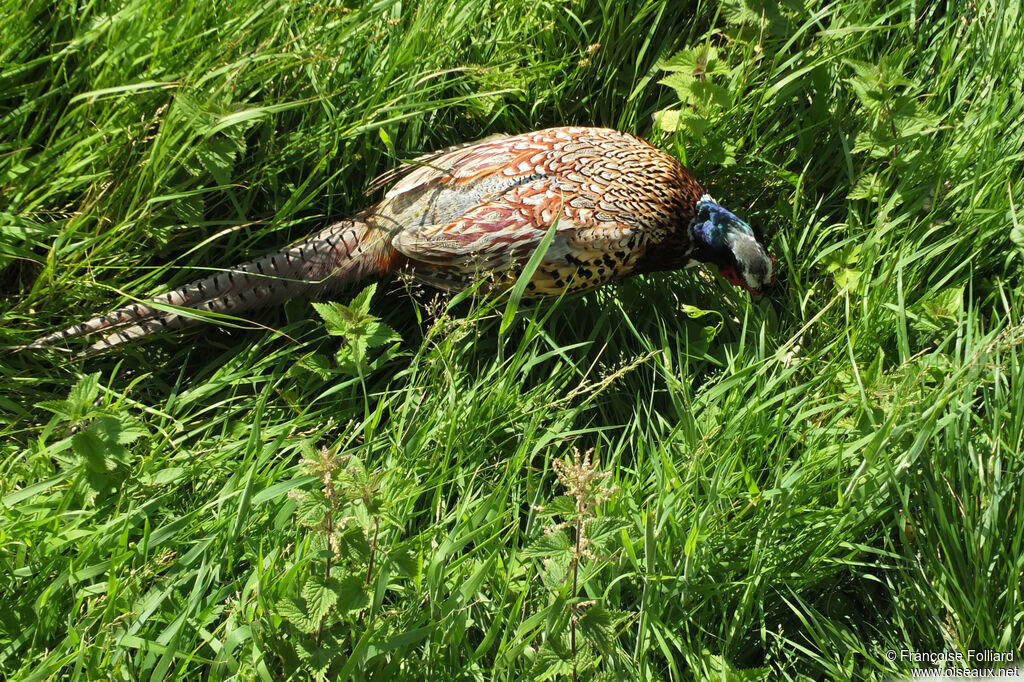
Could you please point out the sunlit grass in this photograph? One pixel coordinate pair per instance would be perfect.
(801, 482)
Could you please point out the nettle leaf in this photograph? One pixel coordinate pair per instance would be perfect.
(351, 357)
(597, 625)
(316, 363)
(946, 303)
(605, 530)
(217, 155)
(190, 210)
(120, 428)
(866, 187)
(321, 595)
(680, 82)
(96, 485)
(317, 659)
(193, 112)
(312, 509)
(866, 72)
(131, 429)
(361, 303)
(920, 123)
(353, 545)
(553, 659)
(719, 151)
(711, 95)
(843, 266)
(405, 561)
(936, 312)
(563, 507)
(718, 668)
(556, 570)
(353, 595)
(871, 98)
(337, 318)
(587, 657)
(362, 331)
(319, 545)
(1017, 231)
(667, 120)
(697, 62)
(82, 395)
(695, 124)
(378, 334)
(552, 544)
(671, 120)
(682, 61)
(93, 451)
(295, 613)
(61, 408)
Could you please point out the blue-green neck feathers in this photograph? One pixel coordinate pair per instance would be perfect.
(722, 239)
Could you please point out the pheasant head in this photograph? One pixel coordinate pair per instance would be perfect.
(722, 239)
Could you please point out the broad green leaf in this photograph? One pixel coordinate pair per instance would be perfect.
(295, 613)
(336, 318)
(353, 545)
(667, 119)
(61, 408)
(379, 334)
(93, 451)
(361, 303)
(547, 545)
(554, 659)
(597, 625)
(312, 509)
(556, 571)
(353, 595)
(120, 428)
(83, 394)
(562, 506)
(316, 363)
(320, 595)
(681, 83)
(711, 95)
(605, 529)
(217, 155)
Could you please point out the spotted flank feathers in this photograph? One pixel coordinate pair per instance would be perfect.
(478, 211)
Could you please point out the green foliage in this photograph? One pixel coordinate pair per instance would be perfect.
(804, 481)
(98, 458)
(362, 332)
(577, 644)
(700, 80)
(344, 519)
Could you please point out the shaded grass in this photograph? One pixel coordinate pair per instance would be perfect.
(826, 474)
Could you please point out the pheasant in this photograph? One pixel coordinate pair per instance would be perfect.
(619, 207)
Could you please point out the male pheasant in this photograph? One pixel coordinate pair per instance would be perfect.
(620, 207)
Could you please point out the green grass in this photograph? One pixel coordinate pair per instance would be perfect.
(797, 484)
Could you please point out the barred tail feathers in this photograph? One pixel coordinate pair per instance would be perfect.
(341, 253)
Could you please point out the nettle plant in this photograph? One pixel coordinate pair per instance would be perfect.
(88, 440)
(342, 554)
(367, 342)
(575, 546)
(700, 78)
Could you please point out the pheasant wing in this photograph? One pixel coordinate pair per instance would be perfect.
(487, 238)
(505, 229)
(433, 161)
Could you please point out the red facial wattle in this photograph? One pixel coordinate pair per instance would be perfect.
(736, 280)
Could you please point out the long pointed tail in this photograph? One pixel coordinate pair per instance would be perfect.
(338, 255)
